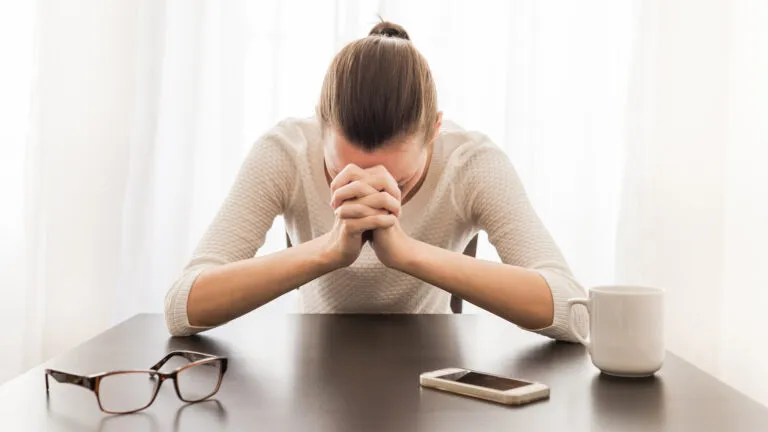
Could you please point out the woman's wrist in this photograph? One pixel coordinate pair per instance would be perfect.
(406, 257)
(326, 257)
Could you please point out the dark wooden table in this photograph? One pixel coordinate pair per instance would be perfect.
(360, 373)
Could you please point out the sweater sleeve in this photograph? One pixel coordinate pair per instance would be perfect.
(496, 202)
(261, 191)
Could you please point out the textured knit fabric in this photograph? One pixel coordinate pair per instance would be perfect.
(470, 186)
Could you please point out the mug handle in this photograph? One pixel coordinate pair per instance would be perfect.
(572, 324)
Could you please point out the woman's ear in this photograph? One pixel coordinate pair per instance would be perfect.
(438, 123)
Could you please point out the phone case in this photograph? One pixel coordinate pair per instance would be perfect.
(517, 396)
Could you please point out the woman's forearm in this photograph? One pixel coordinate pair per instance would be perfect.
(516, 294)
(223, 293)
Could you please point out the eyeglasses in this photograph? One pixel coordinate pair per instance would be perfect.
(129, 391)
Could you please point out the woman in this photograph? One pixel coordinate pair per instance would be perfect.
(379, 199)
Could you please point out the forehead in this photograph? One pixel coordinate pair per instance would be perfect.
(400, 158)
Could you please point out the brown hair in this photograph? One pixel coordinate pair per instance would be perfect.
(379, 88)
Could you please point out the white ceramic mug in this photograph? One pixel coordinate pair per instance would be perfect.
(626, 329)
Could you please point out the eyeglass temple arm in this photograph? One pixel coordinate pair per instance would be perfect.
(189, 355)
(68, 378)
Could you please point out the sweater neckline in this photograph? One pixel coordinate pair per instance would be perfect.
(410, 211)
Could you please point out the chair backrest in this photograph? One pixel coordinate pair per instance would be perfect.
(456, 302)
(470, 250)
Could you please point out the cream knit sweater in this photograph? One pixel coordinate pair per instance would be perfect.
(470, 186)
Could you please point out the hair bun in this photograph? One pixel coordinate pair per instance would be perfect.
(388, 29)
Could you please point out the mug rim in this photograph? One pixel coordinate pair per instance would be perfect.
(627, 290)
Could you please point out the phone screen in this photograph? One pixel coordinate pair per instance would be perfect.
(484, 380)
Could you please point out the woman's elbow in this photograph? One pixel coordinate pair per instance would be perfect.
(176, 321)
(176, 303)
(565, 330)
(176, 325)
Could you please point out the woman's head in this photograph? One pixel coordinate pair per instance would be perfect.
(378, 105)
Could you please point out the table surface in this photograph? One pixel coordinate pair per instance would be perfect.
(361, 373)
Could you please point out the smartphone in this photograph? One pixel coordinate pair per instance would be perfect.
(481, 385)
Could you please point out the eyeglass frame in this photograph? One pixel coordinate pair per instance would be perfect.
(92, 382)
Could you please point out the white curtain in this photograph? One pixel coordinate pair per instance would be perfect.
(16, 76)
(694, 212)
(635, 125)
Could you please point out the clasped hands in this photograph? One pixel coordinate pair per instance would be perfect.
(366, 205)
